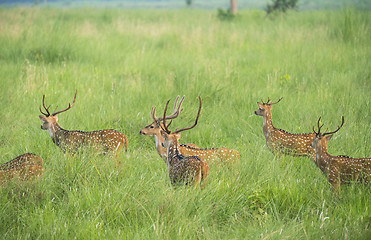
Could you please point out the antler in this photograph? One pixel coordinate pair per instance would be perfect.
(46, 108)
(69, 106)
(269, 103)
(198, 115)
(319, 127)
(277, 101)
(342, 123)
(165, 128)
(175, 114)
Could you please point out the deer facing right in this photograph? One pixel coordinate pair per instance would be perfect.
(339, 169)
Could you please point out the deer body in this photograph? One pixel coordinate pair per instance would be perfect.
(23, 167)
(182, 169)
(102, 141)
(211, 155)
(281, 141)
(339, 169)
(207, 154)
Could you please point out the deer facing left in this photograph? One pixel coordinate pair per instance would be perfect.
(102, 141)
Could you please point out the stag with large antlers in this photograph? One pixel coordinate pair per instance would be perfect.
(280, 141)
(339, 169)
(102, 141)
(23, 167)
(210, 155)
(182, 170)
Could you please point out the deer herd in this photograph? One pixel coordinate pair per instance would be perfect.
(187, 163)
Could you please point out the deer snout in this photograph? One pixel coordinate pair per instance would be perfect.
(256, 113)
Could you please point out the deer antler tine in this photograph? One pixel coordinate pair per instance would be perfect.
(177, 111)
(314, 130)
(164, 119)
(170, 123)
(277, 101)
(176, 102)
(43, 112)
(153, 114)
(198, 115)
(342, 123)
(46, 108)
(69, 106)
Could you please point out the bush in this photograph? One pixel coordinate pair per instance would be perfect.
(281, 6)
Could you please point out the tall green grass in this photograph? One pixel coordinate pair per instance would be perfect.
(123, 62)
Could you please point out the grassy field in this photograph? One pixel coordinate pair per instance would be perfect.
(123, 62)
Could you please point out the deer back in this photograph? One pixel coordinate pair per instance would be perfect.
(105, 141)
(23, 167)
(211, 155)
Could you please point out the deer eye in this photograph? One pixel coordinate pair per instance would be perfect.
(151, 126)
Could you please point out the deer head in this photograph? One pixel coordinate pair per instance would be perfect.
(322, 139)
(265, 107)
(172, 138)
(51, 119)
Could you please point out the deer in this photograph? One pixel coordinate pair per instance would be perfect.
(211, 155)
(102, 141)
(188, 170)
(280, 141)
(339, 169)
(23, 167)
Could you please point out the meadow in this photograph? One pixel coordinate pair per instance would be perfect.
(123, 62)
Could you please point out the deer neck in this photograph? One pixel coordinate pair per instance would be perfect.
(56, 133)
(160, 149)
(322, 158)
(173, 154)
(267, 123)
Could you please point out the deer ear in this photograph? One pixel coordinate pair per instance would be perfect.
(328, 137)
(42, 118)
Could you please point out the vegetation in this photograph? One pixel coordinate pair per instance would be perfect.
(281, 6)
(123, 62)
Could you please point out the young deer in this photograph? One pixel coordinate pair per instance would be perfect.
(339, 169)
(182, 169)
(278, 140)
(208, 154)
(154, 129)
(105, 141)
(23, 167)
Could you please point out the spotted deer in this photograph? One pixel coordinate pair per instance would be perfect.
(339, 169)
(190, 170)
(101, 141)
(280, 141)
(211, 155)
(23, 167)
